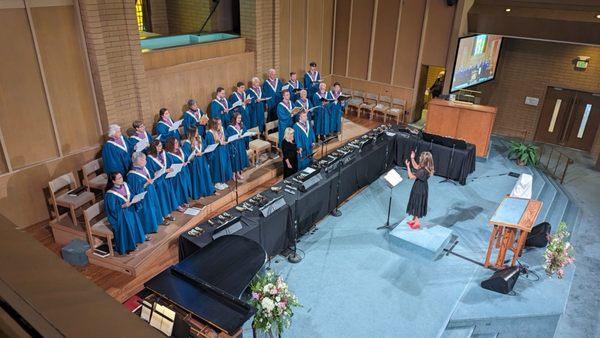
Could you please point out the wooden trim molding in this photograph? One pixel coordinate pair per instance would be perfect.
(372, 42)
(396, 42)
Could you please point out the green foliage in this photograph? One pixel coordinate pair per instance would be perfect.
(526, 154)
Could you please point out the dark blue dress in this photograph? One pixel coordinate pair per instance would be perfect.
(220, 166)
(284, 114)
(237, 149)
(311, 83)
(190, 120)
(181, 181)
(202, 184)
(336, 110)
(273, 92)
(164, 188)
(322, 113)
(256, 109)
(125, 224)
(163, 133)
(149, 209)
(116, 158)
(217, 111)
(304, 138)
(243, 110)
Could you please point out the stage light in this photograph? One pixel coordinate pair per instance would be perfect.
(598, 16)
(507, 10)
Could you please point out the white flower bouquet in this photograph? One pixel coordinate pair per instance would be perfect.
(559, 252)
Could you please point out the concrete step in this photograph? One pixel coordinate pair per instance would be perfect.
(539, 183)
(547, 197)
(459, 332)
(485, 335)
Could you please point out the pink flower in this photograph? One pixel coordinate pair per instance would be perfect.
(274, 291)
(255, 295)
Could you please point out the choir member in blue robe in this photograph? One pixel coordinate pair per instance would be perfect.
(139, 134)
(181, 181)
(294, 86)
(322, 112)
(272, 89)
(125, 223)
(239, 95)
(257, 105)
(194, 117)
(139, 180)
(237, 148)
(306, 104)
(202, 184)
(116, 152)
(304, 138)
(336, 109)
(156, 162)
(220, 165)
(163, 124)
(284, 114)
(219, 107)
(312, 78)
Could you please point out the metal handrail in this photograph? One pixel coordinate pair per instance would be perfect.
(552, 171)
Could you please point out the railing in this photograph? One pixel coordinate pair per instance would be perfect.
(555, 160)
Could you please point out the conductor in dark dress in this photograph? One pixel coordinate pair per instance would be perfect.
(419, 194)
(290, 153)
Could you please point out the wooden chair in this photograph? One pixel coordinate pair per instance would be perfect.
(383, 104)
(91, 178)
(59, 196)
(100, 229)
(369, 103)
(273, 137)
(258, 146)
(355, 102)
(397, 109)
(251, 156)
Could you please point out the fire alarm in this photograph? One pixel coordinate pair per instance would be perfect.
(582, 62)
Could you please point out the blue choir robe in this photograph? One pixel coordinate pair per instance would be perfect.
(192, 119)
(218, 159)
(135, 139)
(181, 181)
(243, 109)
(284, 114)
(199, 172)
(116, 158)
(163, 133)
(125, 223)
(149, 209)
(273, 92)
(256, 109)
(306, 104)
(311, 83)
(336, 110)
(164, 188)
(294, 85)
(304, 139)
(237, 149)
(322, 113)
(218, 111)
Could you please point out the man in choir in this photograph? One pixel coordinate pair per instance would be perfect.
(199, 171)
(336, 109)
(163, 124)
(125, 223)
(139, 180)
(219, 107)
(194, 117)
(272, 89)
(304, 138)
(284, 114)
(322, 112)
(294, 86)
(220, 165)
(116, 152)
(304, 103)
(157, 167)
(239, 95)
(139, 135)
(312, 78)
(257, 105)
(237, 148)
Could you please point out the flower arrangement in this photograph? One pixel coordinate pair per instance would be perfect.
(559, 252)
(273, 303)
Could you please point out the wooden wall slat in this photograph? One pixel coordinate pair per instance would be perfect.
(315, 33)
(284, 37)
(298, 36)
(407, 54)
(327, 38)
(385, 39)
(437, 33)
(360, 38)
(342, 24)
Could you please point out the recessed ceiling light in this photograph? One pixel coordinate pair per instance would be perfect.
(598, 16)
(507, 10)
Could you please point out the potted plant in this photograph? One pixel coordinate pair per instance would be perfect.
(559, 252)
(273, 302)
(525, 154)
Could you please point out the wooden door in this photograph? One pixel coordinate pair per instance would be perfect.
(554, 116)
(583, 122)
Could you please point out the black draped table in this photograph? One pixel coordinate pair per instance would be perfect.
(462, 164)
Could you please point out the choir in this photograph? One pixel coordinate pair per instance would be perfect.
(169, 170)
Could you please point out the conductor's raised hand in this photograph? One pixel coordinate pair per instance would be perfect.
(412, 155)
(407, 163)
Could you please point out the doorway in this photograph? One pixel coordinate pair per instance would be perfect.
(569, 118)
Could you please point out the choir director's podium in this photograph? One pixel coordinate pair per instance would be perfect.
(512, 221)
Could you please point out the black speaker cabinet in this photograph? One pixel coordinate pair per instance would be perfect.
(502, 281)
(538, 237)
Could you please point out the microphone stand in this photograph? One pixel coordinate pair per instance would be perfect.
(336, 212)
(294, 257)
(447, 179)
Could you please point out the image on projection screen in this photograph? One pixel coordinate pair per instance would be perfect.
(476, 60)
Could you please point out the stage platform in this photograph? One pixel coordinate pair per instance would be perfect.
(352, 281)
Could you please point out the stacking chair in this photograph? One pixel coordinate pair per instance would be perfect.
(369, 103)
(59, 188)
(397, 109)
(272, 137)
(91, 176)
(98, 229)
(355, 102)
(383, 104)
(258, 146)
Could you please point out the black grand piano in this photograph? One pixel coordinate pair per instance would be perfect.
(207, 285)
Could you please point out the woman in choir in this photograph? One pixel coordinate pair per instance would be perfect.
(139, 180)
(419, 194)
(312, 78)
(202, 185)
(157, 167)
(181, 181)
(284, 114)
(304, 102)
(322, 112)
(219, 107)
(239, 95)
(194, 117)
(272, 90)
(125, 223)
(290, 153)
(336, 109)
(304, 138)
(163, 124)
(220, 166)
(294, 86)
(116, 152)
(257, 105)
(140, 135)
(237, 148)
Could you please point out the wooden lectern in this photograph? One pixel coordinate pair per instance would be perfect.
(470, 122)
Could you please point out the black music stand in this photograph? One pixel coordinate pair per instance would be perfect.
(324, 144)
(392, 179)
(456, 144)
